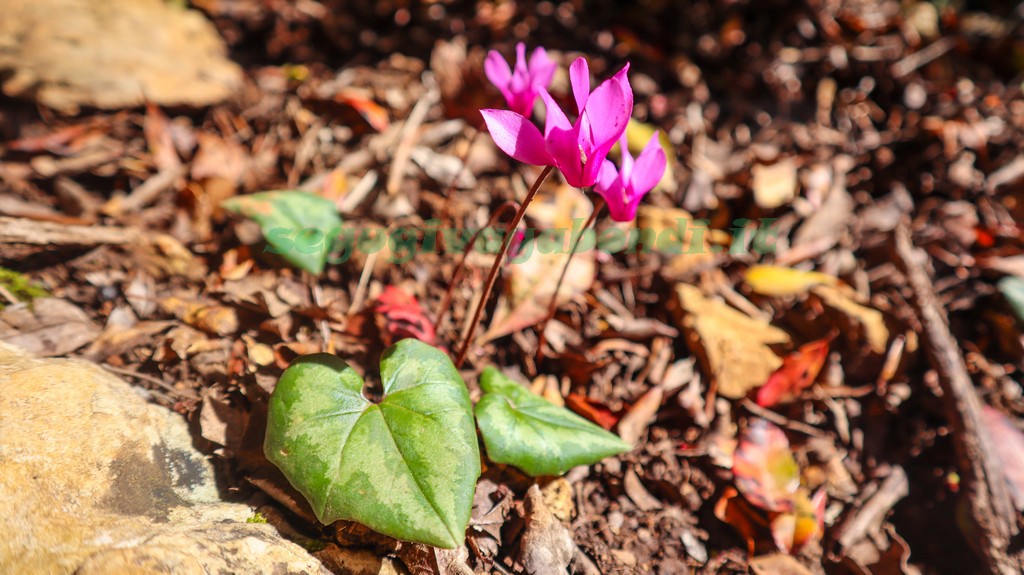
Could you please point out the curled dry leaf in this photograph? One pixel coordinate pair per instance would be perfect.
(733, 347)
(546, 546)
(798, 372)
(869, 323)
(633, 425)
(211, 318)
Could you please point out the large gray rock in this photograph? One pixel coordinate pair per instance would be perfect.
(95, 480)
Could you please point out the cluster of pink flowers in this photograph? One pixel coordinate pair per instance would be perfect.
(578, 149)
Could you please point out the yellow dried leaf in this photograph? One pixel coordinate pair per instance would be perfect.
(732, 346)
(780, 281)
(870, 321)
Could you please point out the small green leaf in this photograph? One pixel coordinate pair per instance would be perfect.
(406, 467)
(531, 433)
(1012, 288)
(299, 226)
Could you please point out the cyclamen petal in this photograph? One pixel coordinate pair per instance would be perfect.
(607, 178)
(555, 117)
(497, 71)
(519, 84)
(626, 164)
(608, 110)
(517, 137)
(634, 179)
(578, 149)
(579, 77)
(542, 68)
(649, 166)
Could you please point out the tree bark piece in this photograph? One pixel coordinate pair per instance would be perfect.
(37, 233)
(991, 508)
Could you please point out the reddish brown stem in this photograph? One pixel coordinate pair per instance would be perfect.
(493, 274)
(457, 274)
(553, 306)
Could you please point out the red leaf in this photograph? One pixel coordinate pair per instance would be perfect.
(984, 238)
(797, 372)
(404, 317)
(593, 411)
(764, 469)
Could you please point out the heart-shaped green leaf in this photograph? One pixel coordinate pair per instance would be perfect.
(406, 467)
(299, 226)
(527, 431)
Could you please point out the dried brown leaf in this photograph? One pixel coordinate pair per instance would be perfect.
(870, 323)
(47, 327)
(733, 346)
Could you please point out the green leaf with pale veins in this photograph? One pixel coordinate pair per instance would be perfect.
(527, 431)
(1012, 288)
(301, 227)
(406, 467)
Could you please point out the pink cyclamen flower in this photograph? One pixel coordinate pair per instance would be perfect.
(520, 85)
(624, 188)
(578, 149)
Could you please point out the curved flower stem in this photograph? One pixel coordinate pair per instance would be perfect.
(493, 275)
(457, 274)
(599, 205)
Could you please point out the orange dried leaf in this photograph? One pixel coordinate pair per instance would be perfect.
(793, 529)
(798, 372)
(732, 509)
(764, 469)
(371, 111)
(591, 410)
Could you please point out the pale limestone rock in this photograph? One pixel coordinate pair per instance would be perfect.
(112, 54)
(95, 480)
